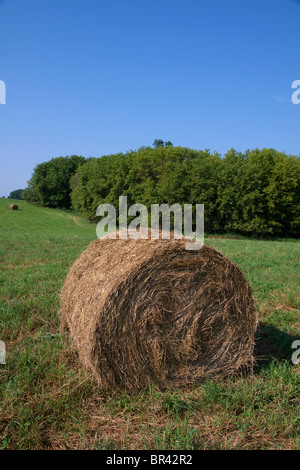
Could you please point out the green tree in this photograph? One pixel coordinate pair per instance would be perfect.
(259, 193)
(158, 143)
(50, 183)
(98, 181)
(16, 194)
(168, 144)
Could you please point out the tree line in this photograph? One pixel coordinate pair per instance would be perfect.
(256, 192)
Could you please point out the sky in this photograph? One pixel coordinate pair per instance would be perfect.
(97, 77)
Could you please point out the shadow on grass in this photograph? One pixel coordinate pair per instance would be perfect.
(272, 343)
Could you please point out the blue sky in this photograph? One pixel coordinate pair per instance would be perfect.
(95, 77)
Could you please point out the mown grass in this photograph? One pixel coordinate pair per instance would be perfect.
(48, 402)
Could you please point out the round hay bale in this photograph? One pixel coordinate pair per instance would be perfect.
(143, 311)
(13, 207)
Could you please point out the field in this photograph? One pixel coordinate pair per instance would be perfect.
(47, 402)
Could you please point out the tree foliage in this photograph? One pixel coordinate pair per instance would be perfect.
(160, 143)
(254, 193)
(50, 182)
(16, 194)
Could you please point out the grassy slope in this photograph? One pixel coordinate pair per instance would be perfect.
(47, 401)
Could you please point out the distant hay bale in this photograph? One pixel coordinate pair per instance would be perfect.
(142, 311)
(13, 207)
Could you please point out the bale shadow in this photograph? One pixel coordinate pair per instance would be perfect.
(272, 343)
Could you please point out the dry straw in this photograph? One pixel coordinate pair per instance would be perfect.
(143, 311)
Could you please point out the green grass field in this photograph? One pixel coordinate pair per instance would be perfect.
(47, 401)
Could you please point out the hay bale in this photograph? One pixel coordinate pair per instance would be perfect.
(143, 311)
(13, 207)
